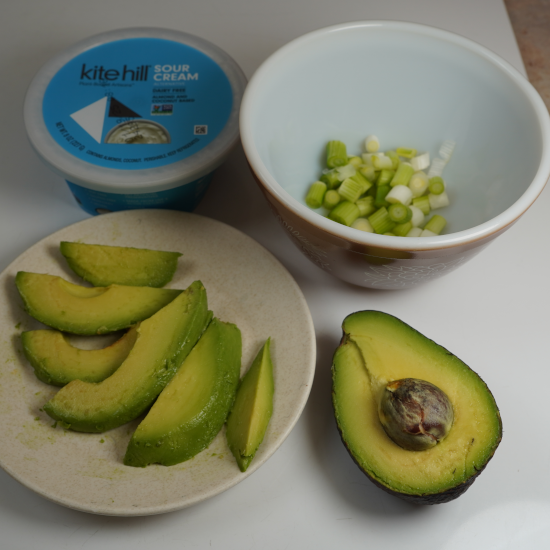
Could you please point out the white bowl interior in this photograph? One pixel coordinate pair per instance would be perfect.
(412, 86)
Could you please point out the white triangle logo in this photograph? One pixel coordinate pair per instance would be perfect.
(91, 118)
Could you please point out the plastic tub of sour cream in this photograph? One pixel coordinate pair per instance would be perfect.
(136, 118)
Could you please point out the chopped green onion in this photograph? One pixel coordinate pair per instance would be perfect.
(401, 194)
(436, 224)
(446, 149)
(332, 198)
(366, 206)
(368, 172)
(380, 197)
(399, 213)
(403, 174)
(407, 153)
(436, 185)
(336, 154)
(389, 234)
(350, 190)
(402, 229)
(363, 225)
(414, 232)
(381, 162)
(438, 201)
(394, 158)
(316, 194)
(345, 171)
(417, 215)
(418, 183)
(362, 180)
(421, 162)
(372, 144)
(381, 221)
(331, 178)
(367, 159)
(428, 233)
(436, 168)
(355, 161)
(345, 213)
(385, 176)
(423, 203)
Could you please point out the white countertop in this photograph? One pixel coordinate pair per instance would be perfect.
(309, 494)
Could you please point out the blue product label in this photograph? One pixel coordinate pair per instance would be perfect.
(185, 197)
(137, 103)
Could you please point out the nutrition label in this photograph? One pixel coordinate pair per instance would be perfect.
(132, 104)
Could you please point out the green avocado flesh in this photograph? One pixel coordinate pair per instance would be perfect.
(57, 362)
(252, 410)
(80, 310)
(193, 408)
(377, 349)
(103, 265)
(163, 342)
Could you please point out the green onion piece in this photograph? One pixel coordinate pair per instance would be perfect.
(350, 190)
(362, 180)
(381, 162)
(394, 158)
(423, 203)
(438, 201)
(367, 159)
(390, 234)
(402, 175)
(417, 215)
(316, 194)
(372, 144)
(446, 149)
(436, 185)
(436, 224)
(399, 213)
(418, 183)
(385, 176)
(401, 194)
(345, 213)
(336, 154)
(345, 171)
(405, 152)
(381, 221)
(355, 161)
(402, 229)
(367, 172)
(421, 162)
(363, 225)
(428, 233)
(380, 197)
(414, 232)
(366, 206)
(332, 198)
(331, 178)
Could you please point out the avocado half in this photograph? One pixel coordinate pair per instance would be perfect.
(376, 349)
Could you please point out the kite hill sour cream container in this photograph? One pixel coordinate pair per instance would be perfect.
(136, 118)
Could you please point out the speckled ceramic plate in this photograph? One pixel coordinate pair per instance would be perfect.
(246, 285)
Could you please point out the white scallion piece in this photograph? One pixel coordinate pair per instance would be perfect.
(382, 162)
(436, 168)
(418, 183)
(363, 225)
(400, 193)
(428, 233)
(438, 201)
(372, 144)
(446, 149)
(414, 232)
(346, 171)
(420, 162)
(418, 217)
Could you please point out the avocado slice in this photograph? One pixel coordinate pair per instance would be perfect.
(57, 362)
(193, 408)
(87, 311)
(103, 265)
(163, 342)
(378, 349)
(252, 410)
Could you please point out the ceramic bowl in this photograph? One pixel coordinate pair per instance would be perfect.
(414, 86)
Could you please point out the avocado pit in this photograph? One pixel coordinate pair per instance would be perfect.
(415, 414)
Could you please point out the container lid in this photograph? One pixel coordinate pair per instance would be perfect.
(135, 110)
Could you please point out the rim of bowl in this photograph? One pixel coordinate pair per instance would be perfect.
(481, 231)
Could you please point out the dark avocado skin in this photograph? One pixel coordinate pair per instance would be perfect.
(424, 499)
